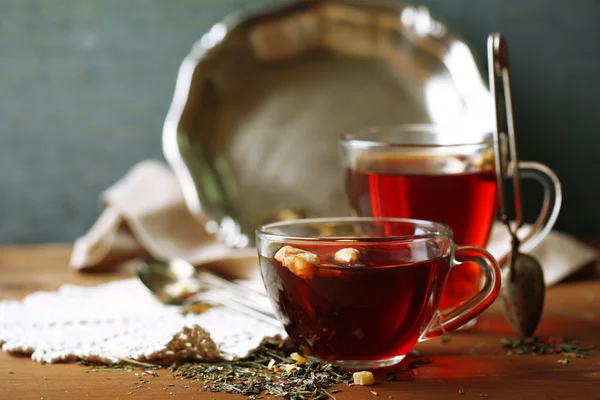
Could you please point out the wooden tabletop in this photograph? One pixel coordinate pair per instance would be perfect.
(471, 365)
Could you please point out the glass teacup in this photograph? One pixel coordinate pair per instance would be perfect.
(443, 174)
(361, 292)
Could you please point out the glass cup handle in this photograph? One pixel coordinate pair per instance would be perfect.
(462, 314)
(550, 206)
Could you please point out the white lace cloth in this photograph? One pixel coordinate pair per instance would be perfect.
(122, 320)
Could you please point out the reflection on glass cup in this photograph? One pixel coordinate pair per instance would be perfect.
(361, 292)
(438, 174)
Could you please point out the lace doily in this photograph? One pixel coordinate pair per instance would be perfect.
(122, 320)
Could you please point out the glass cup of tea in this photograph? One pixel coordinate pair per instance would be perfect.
(439, 174)
(361, 292)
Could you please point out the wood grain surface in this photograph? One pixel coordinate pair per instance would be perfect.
(471, 362)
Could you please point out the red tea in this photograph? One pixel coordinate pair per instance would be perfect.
(392, 186)
(374, 311)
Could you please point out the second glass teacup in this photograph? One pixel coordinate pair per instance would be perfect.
(361, 292)
(443, 174)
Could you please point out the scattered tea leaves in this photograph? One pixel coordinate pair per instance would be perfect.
(269, 370)
(419, 362)
(546, 345)
(400, 373)
(460, 391)
(142, 377)
(252, 376)
(563, 361)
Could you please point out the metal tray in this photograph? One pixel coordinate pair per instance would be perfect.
(262, 98)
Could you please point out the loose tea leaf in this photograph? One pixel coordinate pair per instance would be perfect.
(547, 345)
(419, 362)
(269, 370)
(252, 376)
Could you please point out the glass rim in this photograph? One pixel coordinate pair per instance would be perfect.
(442, 230)
(362, 136)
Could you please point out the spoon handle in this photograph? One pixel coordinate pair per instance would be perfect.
(241, 292)
(505, 147)
(237, 306)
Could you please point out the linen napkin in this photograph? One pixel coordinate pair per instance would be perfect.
(145, 213)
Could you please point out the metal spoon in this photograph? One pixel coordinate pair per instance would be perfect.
(178, 282)
(523, 288)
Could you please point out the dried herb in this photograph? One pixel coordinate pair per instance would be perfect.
(269, 370)
(151, 372)
(460, 391)
(419, 362)
(258, 375)
(392, 377)
(399, 374)
(547, 345)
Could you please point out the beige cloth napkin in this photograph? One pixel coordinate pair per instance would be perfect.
(146, 214)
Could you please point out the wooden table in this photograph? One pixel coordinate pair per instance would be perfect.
(472, 362)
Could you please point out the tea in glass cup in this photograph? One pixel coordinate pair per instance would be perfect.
(437, 174)
(361, 292)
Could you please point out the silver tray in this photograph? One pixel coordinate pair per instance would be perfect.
(262, 98)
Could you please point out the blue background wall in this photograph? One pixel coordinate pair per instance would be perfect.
(85, 86)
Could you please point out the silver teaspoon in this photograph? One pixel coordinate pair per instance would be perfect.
(177, 282)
